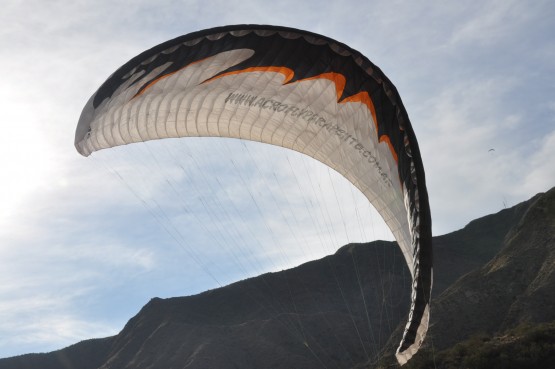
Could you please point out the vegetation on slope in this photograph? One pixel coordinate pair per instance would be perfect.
(525, 347)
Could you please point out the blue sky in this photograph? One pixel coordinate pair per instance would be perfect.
(85, 242)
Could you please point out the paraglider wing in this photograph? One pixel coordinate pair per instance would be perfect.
(289, 88)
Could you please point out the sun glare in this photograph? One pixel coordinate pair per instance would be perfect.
(25, 165)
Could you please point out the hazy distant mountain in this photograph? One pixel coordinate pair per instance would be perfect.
(341, 310)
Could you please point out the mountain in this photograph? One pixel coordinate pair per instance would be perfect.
(528, 346)
(341, 310)
(515, 287)
(296, 318)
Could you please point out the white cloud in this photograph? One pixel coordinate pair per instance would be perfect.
(49, 330)
(461, 125)
(539, 171)
(491, 22)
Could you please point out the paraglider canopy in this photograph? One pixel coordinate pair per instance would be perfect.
(289, 88)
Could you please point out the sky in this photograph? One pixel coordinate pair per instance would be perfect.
(86, 242)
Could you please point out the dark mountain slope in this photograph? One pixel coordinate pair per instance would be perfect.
(517, 285)
(312, 316)
(89, 354)
(529, 346)
(467, 249)
(299, 318)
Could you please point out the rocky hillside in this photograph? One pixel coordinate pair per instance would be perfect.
(517, 286)
(341, 310)
(307, 317)
(528, 346)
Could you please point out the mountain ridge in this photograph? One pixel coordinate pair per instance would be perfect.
(515, 287)
(271, 321)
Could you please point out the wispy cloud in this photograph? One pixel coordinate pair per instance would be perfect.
(540, 171)
(489, 23)
(461, 143)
